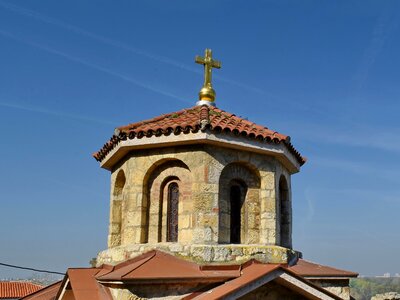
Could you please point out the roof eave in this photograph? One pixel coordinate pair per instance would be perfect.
(63, 288)
(331, 277)
(255, 279)
(277, 150)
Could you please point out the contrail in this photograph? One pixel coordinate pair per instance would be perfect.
(94, 66)
(105, 40)
(53, 113)
(381, 32)
(108, 41)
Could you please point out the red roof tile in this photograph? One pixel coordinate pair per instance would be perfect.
(309, 269)
(46, 293)
(192, 120)
(17, 289)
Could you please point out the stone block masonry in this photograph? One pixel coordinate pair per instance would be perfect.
(205, 175)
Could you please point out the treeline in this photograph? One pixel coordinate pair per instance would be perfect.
(365, 288)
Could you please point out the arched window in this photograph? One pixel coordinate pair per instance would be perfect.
(235, 217)
(238, 223)
(172, 212)
(167, 187)
(285, 213)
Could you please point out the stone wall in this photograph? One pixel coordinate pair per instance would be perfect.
(204, 254)
(339, 287)
(203, 172)
(154, 291)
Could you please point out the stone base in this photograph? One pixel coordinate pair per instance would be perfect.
(204, 254)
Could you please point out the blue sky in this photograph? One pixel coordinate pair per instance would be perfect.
(324, 72)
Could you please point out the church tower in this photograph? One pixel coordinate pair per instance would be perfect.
(200, 208)
(201, 184)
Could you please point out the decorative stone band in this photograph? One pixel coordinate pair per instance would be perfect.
(221, 254)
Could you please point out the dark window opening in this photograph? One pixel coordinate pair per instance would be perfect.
(235, 201)
(172, 212)
(284, 213)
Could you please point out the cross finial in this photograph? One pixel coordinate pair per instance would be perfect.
(207, 93)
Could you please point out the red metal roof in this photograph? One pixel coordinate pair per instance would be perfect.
(85, 286)
(155, 267)
(159, 265)
(17, 289)
(309, 269)
(192, 120)
(251, 273)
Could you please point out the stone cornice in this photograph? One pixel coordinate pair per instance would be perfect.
(278, 150)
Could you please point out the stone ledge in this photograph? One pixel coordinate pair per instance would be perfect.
(204, 254)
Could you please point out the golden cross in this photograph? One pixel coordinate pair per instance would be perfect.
(207, 93)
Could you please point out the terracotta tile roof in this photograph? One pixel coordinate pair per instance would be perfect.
(17, 289)
(159, 265)
(192, 120)
(46, 293)
(309, 269)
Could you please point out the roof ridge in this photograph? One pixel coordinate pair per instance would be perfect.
(204, 117)
(145, 257)
(145, 260)
(148, 254)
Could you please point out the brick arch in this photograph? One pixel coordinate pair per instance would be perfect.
(246, 179)
(115, 229)
(155, 198)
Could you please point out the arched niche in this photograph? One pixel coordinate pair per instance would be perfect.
(116, 210)
(285, 213)
(239, 204)
(158, 208)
